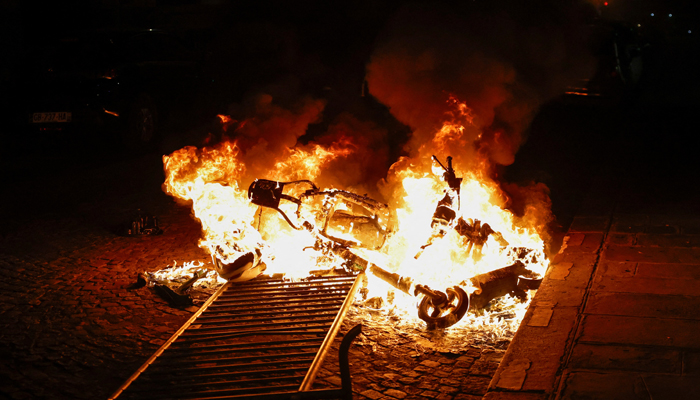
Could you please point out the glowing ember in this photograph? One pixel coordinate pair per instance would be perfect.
(474, 232)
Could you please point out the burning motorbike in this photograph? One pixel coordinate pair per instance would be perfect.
(345, 224)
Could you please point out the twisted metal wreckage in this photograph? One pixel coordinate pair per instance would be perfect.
(337, 212)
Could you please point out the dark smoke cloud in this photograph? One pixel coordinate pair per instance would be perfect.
(503, 58)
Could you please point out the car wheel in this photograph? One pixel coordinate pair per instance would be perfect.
(142, 123)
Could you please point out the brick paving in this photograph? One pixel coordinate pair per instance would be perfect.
(69, 328)
(400, 361)
(638, 334)
(618, 309)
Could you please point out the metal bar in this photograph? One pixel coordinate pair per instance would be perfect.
(212, 325)
(190, 371)
(241, 345)
(331, 285)
(293, 331)
(317, 323)
(277, 305)
(169, 341)
(328, 341)
(242, 350)
(225, 393)
(233, 359)
(311, 394)
(272, 309)
(287, 310)
(281, 290)
(221, 375)
(177, 386)
(257, 283)
(279, 299)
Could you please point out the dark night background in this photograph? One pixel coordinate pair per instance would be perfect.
(321, 49)
(70, 329)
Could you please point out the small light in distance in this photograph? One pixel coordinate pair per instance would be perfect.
(670, 15)
(605, 4)
(652, 14)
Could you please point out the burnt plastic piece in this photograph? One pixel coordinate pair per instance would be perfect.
(266, 193)
(247, 266)
(178, 297)
(172, 297)
(141, 281)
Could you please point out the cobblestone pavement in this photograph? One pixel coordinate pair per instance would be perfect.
(406, 362)
(70, 329)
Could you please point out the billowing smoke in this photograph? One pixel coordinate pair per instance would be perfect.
(502, 59)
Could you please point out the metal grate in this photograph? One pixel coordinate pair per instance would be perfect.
(259, 339)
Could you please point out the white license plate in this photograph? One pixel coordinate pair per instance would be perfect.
(43, 117)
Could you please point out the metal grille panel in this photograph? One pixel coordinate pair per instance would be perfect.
(250, 339)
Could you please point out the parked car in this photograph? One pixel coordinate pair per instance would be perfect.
(130, 83)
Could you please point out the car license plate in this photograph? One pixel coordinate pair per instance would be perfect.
(44, 117)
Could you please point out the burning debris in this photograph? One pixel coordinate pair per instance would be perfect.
(181, 286)
(435, 233)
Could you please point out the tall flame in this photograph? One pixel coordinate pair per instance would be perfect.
(213, 180)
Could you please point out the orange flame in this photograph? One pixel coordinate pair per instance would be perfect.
(213, 179)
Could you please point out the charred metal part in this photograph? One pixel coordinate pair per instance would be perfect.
(445, 314)
(445, 217)
(446, 209)
(368, 222)
(343, 217)
(476, 234)
(498, 283)
(445, 212)
(198, 274)
(439, 310)
(404, 284)
(524, 254)
(449, 175)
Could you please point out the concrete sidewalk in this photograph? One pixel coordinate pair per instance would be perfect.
(617, 315)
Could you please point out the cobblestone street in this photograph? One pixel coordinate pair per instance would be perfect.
(70, 328)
